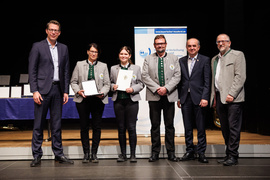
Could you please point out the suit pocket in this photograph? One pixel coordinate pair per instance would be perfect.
(229, 64)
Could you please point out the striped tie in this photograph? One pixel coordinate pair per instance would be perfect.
(192, 65)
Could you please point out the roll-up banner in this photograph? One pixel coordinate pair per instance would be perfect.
(176, 37)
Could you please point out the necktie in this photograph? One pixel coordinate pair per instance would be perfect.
(191, 65)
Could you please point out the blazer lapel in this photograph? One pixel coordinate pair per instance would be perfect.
(59, 51)
(47, 50)
(185, 62)
(156, 65)
(86, 69)
(196, 64)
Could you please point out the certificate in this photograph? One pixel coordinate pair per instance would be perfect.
(124, 79)
(90, 88)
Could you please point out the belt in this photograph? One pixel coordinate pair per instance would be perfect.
(55, 82)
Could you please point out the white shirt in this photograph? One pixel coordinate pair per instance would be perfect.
(217, 72)
(190, 60)
(54, 54)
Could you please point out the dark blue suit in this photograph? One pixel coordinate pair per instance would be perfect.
(41, 72)
(191, 90)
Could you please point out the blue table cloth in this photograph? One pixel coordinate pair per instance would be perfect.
(23, 109)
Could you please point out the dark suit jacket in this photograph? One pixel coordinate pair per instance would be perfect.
(41, 67)
(199, 82)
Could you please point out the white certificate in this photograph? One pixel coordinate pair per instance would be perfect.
(124, 79)
(90, 88)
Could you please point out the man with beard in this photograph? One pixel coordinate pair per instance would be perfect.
(161, 74)
(228, 95)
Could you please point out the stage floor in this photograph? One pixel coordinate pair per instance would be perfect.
(248, 168)
(109, 138)
(15, 145)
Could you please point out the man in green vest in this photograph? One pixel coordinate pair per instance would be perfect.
(161, 74)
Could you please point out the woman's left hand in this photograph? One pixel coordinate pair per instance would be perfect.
(129, 90)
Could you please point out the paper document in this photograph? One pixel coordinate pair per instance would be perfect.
(124, 79)
(90, 88)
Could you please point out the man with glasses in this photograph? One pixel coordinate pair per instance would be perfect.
(49, 83)
(228, 95)
(161, 74)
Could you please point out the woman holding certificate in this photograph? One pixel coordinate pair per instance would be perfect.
(87, 76)
(126, 84)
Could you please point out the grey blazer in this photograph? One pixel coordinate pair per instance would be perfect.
(172, 74)
(231, 78)
(80, 74)
(136, 82)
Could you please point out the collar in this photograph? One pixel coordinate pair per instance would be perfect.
(219, 55)
(50, 43)
(162, 56)
(126, 66)
(195, 57)
(94, 63)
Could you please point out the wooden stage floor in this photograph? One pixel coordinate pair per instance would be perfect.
(109, 138)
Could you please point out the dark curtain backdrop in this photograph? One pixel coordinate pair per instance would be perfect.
(244, 22)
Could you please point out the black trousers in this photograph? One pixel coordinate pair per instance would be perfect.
(230, 116)
(53, 101)
(190, 112)
(126, 112)
(155, 117)
(95, 106)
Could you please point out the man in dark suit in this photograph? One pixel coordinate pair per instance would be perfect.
(194, 92)
(49, 83)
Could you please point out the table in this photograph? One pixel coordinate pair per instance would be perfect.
(23, 109)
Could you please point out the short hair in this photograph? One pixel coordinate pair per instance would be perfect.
(53, 22)
(161, 36)
(199, 43)
(94, 45)
(225, 35)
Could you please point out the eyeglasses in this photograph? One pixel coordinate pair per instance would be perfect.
(160, 44)
(54, 30)
(94, 52)
(222, 41)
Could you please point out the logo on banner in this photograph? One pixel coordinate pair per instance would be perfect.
(143, 53)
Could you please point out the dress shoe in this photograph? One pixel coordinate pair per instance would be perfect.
(94, 158)
(230, 161)
(86, 158)
(133, 159)
(188, 156)
(36, 162)
(153, 158)
(221, 161)
(173, 158)
(63, 159)
(202, 158)
(122, 158)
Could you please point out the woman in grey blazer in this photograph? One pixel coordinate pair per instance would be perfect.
(85, 70)
(126, 103)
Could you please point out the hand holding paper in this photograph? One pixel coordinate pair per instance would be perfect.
(90, 88)
(124, 79)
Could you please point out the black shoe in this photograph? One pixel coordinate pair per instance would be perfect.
(221, 161)
(86, 158)
(36, 162)
(133, 159)
(63, 159)
(154, 158)
(230, 161)
(122, 158)
(202, 158)
(94, 158)
(173, 158)
(188, 156)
